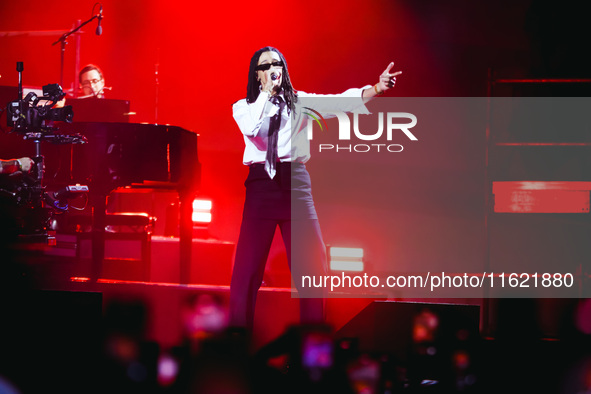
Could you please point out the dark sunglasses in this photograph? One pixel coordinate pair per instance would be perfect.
(266, 66)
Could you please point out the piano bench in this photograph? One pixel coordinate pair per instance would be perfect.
(120, 226)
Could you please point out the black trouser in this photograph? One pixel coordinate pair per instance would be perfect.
(301, 235)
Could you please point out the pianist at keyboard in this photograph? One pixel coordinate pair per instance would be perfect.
(92, 82)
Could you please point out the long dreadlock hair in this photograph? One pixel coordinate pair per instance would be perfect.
(253, 90)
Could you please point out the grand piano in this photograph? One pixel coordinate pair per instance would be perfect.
(129, 154)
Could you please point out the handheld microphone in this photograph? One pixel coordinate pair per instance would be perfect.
(274, 77)
(99, 29)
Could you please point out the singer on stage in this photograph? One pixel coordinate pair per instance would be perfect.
(278, 188)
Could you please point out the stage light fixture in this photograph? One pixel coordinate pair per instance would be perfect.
(201, 211)
(346, 259)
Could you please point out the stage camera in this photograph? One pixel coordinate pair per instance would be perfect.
(25, 200)
(35, 114)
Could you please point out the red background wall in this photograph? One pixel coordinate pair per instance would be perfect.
(202, 50)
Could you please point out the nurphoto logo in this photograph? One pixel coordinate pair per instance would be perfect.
(389, 125)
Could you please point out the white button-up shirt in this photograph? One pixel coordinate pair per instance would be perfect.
(253, 121)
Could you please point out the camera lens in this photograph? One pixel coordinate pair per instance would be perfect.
(64, 114)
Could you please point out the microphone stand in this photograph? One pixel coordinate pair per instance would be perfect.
(63, 41)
